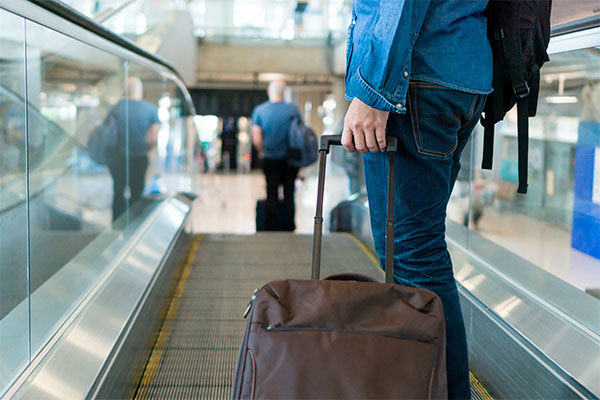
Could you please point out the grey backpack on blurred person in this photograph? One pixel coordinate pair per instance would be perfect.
(302, 144)
(102, 144)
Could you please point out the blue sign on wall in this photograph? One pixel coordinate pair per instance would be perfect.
(586, 208)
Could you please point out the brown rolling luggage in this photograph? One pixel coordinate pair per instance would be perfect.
(346, 336)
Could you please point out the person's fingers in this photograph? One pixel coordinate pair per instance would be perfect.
(370, 139)
(380, 133)
(347, 139)
(359, 140)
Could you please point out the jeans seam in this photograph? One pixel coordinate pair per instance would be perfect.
(413, 117)
(450, 85)
(429, 85)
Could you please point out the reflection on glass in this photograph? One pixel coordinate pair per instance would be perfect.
(459, 207)
(14, 307)
(174, 136)
(136, 127)
(556, 226)
(71, 87)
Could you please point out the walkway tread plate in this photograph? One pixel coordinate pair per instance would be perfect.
(198, 359)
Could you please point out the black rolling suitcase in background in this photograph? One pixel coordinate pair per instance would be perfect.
(343, 337)
(261, 216)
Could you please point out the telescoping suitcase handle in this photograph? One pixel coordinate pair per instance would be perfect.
(325, 142)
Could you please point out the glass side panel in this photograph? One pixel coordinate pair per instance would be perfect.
(73, 149)
(14, 302)
(556, 225)
(176, 153)
(464, 197)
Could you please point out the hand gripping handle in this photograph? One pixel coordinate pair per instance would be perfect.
(325, 142)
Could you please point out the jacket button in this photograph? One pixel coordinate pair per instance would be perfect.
(406, 74)
(400, 105)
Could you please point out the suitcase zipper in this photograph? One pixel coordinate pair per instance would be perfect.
(250, 303)
(280, 328)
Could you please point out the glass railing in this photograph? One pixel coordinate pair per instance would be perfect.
(88, 131)
(556, 225)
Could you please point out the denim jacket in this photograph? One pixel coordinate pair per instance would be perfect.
(393, 41)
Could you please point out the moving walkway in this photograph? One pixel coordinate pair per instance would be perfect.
(146, 309)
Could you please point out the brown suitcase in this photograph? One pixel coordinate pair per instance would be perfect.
(347, 336)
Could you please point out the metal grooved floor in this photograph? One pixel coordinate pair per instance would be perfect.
(196, 351)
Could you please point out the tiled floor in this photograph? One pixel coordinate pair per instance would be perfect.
(227, 204)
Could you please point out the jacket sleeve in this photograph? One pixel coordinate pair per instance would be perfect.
(381, 40)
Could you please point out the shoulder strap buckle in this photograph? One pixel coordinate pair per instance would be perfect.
(521, 89)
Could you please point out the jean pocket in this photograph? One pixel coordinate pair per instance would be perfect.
(435, 116)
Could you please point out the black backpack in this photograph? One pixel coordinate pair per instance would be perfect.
(519, 32)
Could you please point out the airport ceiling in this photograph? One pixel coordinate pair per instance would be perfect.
(228, 16)
(226, 27)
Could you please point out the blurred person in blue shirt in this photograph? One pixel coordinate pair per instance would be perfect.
(420, 71)
(137, 125)
(270, 126)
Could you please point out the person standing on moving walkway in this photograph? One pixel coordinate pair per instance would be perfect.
(270, 128)
(137, 132)
(420, 70)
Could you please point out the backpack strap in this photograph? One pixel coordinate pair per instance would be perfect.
(494, 112)
(515, 69)
(488, 134)
(523, 141)
(512, 53)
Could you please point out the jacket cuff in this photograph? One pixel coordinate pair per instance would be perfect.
(357, 86)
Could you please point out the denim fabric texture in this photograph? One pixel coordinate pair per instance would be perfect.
(431, 137)
(391, 42)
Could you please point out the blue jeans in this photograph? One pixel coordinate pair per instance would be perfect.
(431, 137)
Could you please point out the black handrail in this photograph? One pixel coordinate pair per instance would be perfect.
(74, 16)
(576, 26)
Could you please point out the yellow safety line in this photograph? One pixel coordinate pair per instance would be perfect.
(479, 388)
(367, 251)
(163, 334)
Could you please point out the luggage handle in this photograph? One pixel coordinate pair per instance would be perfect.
(325, 142)
(350, 277)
